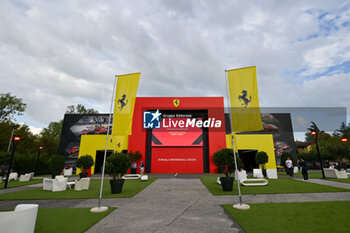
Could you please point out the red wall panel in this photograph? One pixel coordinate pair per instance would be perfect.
(214, 106)
(177, 160)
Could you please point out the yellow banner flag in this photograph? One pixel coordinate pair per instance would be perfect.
(243, 90)
(120, 143)
(124, 103)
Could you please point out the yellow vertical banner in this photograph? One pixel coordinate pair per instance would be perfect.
(120, 143)
(244, 100)
(124, 103)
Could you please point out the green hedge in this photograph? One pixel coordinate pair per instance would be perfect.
(25, 163)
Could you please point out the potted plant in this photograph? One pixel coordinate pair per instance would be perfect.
(56, 165)
(224, 160)
(117, 165)
(134, 158)
(261, 158)
(84, 162)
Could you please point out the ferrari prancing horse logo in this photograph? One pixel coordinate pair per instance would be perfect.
(176, 102)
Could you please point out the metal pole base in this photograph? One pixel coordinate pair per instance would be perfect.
(99, 209)
(241, 207)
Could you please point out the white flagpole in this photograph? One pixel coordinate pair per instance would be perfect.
(100, 208)
(240, 205)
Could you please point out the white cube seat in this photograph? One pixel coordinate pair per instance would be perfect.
(271, 173)
(82, 184)
(21, 220)
(257, 173)
(55, 185)
(144, 177)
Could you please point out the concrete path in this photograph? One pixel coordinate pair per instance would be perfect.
(330, 183)
(168, 205)
(11, 190)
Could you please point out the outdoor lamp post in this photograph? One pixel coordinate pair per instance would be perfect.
(40, 148)
(15, 139)
(11, 138)
(314, 133)
(345, 140)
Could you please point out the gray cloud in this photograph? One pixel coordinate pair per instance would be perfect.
(55, 54)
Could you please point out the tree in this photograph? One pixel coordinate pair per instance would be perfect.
(50, 138)
(10, 106)
(117, 165)
(29, 142)
(85, 162)
(225, 161)
(80, 109)
(343, 131)
(261, 158)
(56, 164)
(135, 156)
(5, 134)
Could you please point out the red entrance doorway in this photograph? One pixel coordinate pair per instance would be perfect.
(186, 156)
(178, 149)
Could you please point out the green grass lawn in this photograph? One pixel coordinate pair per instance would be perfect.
(316, 175)
(16, 183)
(130, 188)
(301, 217)
(312, 174)
(281, 185)
(72, 220)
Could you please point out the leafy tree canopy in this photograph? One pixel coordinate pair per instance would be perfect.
(80, 109)
(10, 106)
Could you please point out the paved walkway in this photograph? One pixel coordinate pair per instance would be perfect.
(177, 205)
(10, 190)
(331, 183)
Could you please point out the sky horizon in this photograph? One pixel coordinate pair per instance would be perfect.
(56, 55)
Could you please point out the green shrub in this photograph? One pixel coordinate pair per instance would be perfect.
(5, 158)
(134, 156)
(311, 156)
(56, 163)
(261, 158)
(117, 165)
(224, 160)
(24, 163)
(85, 162)
(43, 166)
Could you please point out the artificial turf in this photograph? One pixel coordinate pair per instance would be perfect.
(16, 183)
(312, 174)
(300, 217)
(275, 186)
(72, 220)
(315, 175)
(130, 188)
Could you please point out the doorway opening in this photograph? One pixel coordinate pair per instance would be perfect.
(99, 159)
(178, 149)
(248, 159)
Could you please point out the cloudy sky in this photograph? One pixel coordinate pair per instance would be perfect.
(59, 53)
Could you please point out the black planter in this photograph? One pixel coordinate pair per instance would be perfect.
(264, 172)
(116, 185)
(227, 183)
(83, 175)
